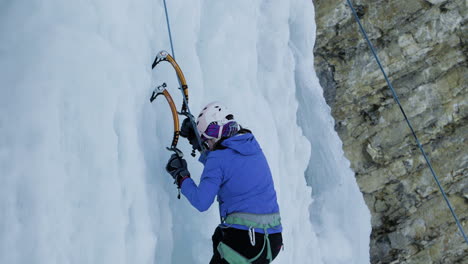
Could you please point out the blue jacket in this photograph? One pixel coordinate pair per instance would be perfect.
(240, 176)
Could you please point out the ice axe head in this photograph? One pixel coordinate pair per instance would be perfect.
(158, 91)
(177, 151)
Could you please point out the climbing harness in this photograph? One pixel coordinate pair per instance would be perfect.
(395, 96)
(252, 221)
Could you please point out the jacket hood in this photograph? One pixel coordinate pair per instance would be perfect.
(245, 144)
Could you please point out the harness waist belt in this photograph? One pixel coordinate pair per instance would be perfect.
(263, 221)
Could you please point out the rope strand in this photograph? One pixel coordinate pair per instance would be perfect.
(169, 29)
(188, 114)
(395, 96)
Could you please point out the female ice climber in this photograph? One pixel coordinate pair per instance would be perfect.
(237, 172)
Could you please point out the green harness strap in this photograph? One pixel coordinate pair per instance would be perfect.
(263, 221)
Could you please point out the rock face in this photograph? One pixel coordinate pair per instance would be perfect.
(422, 46)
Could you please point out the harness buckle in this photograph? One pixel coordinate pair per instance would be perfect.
(252, 235)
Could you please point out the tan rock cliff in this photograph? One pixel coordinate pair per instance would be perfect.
(422, 45)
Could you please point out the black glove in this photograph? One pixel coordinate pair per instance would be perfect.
(177, 168)
(188, 132)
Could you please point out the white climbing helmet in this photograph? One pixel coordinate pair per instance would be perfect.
(216, 113)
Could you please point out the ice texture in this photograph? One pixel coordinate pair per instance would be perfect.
(82, 150)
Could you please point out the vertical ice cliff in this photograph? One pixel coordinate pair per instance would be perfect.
(82, 151)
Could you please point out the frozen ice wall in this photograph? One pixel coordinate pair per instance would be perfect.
(338, 213)
(82, 151)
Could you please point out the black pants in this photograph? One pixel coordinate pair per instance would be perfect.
(239, 240)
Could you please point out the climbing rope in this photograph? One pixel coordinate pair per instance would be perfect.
(407, 120)
(184, 97)
(169, 29)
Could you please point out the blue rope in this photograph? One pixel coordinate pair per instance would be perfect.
(169, 29)
(407, 120)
